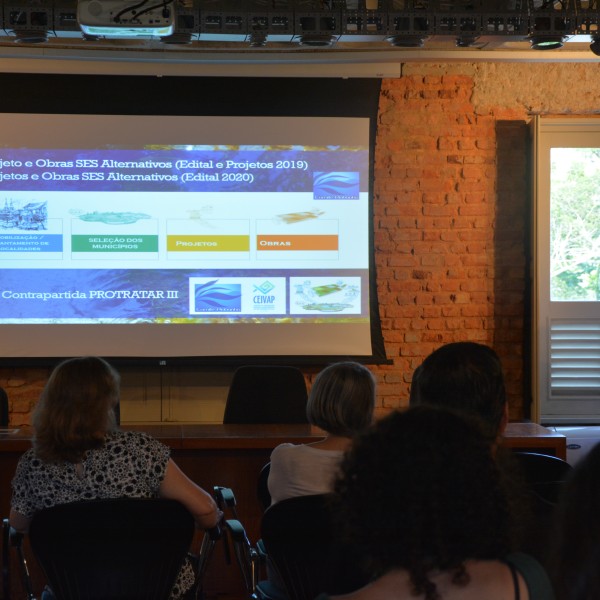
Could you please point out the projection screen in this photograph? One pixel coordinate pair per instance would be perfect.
(179, 236)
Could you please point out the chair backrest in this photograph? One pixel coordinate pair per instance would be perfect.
(126, 548)
(3, 408)
(262, 488)
(544, 475)
(299, 536)
(266, 394)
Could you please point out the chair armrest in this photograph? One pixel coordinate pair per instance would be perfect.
(11, 538)
(224, 496)
(225, 499)
(246, 556)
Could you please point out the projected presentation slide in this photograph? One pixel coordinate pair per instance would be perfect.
(118, 234)
(136, 230)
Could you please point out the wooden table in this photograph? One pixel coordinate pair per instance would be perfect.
(531, 437)
(232, 456)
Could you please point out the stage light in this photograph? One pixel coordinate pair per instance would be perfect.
(30, 36)
(257, 39)
(466, 40)
(547, 42)
(595, 45)
(317, 40)
(406, 41)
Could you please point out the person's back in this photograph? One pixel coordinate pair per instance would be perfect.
(341, 402)
(466, 377)
(489, 580)
(79, 454)
(422, 497)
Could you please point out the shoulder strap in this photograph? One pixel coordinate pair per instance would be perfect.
(515, 578)
(536, 578)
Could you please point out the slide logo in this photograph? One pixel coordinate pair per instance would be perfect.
(336, 185)
(264, 299)
(320, 295)
(214, 297)
(237, 296)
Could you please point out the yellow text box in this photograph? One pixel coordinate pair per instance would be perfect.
(208, 243)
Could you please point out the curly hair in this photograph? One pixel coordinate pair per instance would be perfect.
(466, 377)
(342, 399)
(76, 409)
(421, 491)
(576, 553)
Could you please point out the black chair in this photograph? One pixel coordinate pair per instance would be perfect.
(125, 549)
(544, 475)
(266, 394)
(299, 536)
(3, 408)
(262, 488)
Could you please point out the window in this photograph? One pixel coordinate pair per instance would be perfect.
(567, 269)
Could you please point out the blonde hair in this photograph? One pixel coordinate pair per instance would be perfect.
(342, 399)
(76, 409)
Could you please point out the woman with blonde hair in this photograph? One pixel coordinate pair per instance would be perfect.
(341, 402)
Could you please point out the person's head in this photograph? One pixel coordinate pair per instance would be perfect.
(576, 539)
(75, 409)
(342, 399)
(421, 491)
(466, 377)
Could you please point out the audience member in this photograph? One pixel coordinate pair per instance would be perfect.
(575, 564)
(79, 454)
(341, 402)
(422, 497)
(466, 377)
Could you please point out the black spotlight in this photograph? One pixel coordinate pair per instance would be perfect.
(406, 41)
(31, 36)
(547, 42)
(466, 40)
(317, 40)
(595, 45)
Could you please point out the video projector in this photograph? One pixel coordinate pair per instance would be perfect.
(125, 18)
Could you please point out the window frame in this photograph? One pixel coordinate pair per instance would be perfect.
(563, 331)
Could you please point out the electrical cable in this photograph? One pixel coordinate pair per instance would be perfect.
(129, 9)
(149, 8)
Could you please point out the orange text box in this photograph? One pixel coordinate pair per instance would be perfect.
(297, 242)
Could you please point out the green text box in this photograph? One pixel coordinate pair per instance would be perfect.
(114, 243)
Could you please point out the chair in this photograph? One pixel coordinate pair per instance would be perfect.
(544, 475)
(125, 548)
(266, 394)
(262, 488)
(299, 538)
(3, 408)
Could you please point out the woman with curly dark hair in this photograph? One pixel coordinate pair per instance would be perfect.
(423, 499)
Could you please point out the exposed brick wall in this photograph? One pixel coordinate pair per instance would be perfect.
(450, 238)
(452, 205)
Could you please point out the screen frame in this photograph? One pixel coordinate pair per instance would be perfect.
(208, 96)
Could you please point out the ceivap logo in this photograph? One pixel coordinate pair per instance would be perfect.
(264, 300)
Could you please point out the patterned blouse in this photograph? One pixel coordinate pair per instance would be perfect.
(130, 464)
